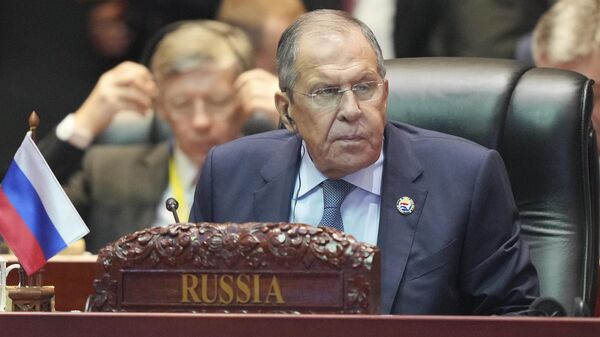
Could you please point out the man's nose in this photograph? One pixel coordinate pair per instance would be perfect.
(200, 117)
(348, 107)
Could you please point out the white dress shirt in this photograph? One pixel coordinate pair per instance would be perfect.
(188, 174)
(360, 209)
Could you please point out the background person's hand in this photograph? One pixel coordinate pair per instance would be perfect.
(126, 87)
(256, 90)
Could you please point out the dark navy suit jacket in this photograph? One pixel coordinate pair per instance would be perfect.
(459, 252)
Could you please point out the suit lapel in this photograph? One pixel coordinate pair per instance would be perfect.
(396, 231)
(272, 200)
(152, 167)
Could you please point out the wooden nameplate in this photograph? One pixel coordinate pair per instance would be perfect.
(252, 267)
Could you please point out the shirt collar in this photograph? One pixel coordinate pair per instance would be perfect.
(368, 178)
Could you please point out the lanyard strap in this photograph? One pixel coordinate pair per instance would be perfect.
(178, 190)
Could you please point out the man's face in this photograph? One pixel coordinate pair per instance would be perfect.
(345, 137)
(200, 108)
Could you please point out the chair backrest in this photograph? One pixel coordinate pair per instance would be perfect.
(539, 121)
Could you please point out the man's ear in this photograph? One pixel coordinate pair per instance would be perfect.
(386, 92)
(282, 102)
(386, 89)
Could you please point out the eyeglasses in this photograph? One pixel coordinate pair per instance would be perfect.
(330, 97)
(183, 109)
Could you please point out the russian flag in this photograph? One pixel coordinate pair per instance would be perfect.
(37, 219)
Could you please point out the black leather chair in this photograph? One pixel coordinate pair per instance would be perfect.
(539, 121)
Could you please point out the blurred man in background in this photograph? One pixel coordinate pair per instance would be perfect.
(193, 85)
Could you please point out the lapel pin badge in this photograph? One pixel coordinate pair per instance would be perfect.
(405, 205)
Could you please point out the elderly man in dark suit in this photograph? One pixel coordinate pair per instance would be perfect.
(440, 208)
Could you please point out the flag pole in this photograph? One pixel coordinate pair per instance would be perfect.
(36, 278)
(34, 122)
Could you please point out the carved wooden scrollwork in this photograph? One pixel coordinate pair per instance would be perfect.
(288, 259)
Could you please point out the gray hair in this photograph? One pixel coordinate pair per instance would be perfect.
(196, 43)
(570, 29)
(322, 20)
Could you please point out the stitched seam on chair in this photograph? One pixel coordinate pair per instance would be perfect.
(587, 286)
(509, 105)
(451, 139)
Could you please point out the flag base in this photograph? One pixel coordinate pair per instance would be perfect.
(31, 298)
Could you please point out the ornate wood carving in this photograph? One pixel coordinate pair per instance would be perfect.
(252, 267)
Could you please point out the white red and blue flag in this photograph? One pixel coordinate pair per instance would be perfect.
(37, 219)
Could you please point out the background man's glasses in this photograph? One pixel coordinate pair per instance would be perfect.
(330, 97)
(183, 110)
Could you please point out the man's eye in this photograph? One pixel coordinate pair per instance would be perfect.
(361, 87)
(326, 92)
(220, 100)
(180, 103)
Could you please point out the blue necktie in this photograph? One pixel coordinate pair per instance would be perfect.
(334, 193)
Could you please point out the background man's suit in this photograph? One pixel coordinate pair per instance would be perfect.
(116, 189)
(458, 252)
